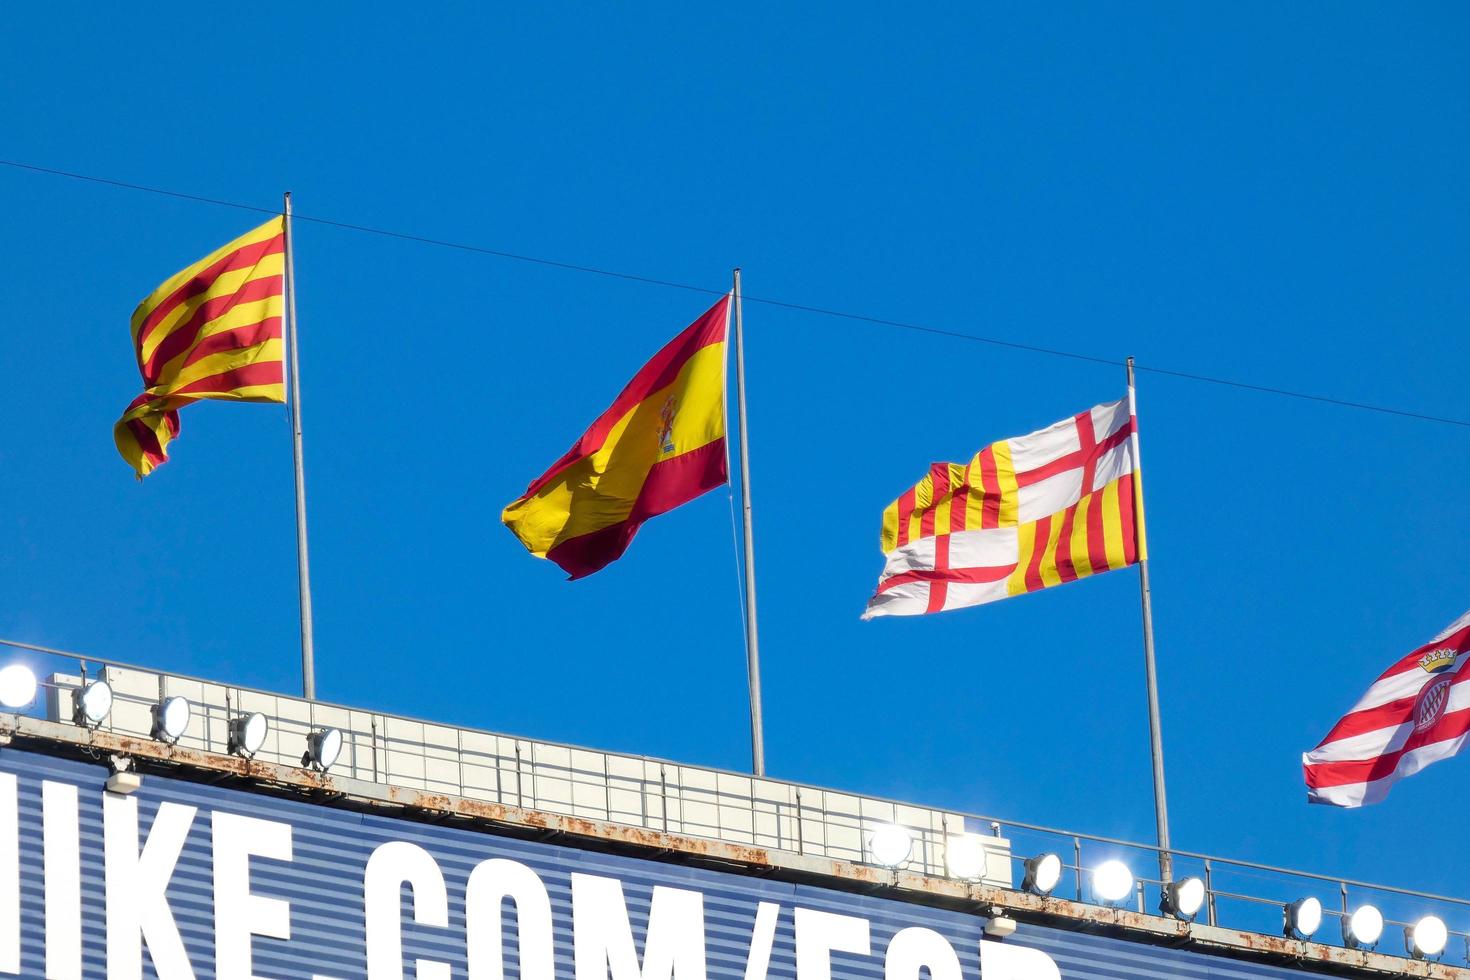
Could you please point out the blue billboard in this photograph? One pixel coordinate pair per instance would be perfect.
(187, 881)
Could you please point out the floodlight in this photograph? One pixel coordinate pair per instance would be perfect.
(890, 845)
(1363, 928)
(965, 856)
(1112, 881)
(1303, 917)
(247, 733)
(322, 749)
(1043, 872)
(17, 686)
(1184, 898)
(92, 704)
(170, 719)
(1427, 937)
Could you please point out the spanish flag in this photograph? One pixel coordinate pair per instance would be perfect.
(210, 331)
(661, 444)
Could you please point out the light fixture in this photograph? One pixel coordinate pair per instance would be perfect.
(890, 845)
(965, 856)
(1363, 928)
(1184, 898)
(1427, 937)
(1043, 872)
(92, 704)
(17, 686)
(1112, 881)
(170, 719)
(247, 733)
(1303, 917)
(322, 749)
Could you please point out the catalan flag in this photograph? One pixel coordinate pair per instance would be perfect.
(212, 330)
(660, 444)
(1025, 514)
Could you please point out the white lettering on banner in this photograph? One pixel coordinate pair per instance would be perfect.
(137, 906)
(390, 867)
(999, 961)
(602, 938)
(238, 914)
(916, 948)
(819, 935)
(9, 875)
(62, 858)
(762, 939)
(490, 884)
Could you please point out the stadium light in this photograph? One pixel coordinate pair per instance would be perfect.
(1112, 881)
(1303, 918)
(1426, 938)
(1184, 898)
(1043, 872)
(322, 749)
(890, 845)
(247, 733)
(1363, 928)
(17, 686)
(965, 856)
(171, 719)
(93, 704)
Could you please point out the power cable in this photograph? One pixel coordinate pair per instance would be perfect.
(780, 304)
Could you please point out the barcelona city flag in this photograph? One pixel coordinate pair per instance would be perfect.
(212, 330)
(1024, 514)
(661, 444)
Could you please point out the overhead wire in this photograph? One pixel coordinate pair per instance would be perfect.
(765, 301)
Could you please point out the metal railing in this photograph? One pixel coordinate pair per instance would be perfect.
(736, 807)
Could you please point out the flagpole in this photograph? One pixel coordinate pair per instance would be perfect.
(1156, 739)
(752, 642)
(303, 565)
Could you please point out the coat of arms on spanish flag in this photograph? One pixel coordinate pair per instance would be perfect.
(1025, 514)
(660, 444)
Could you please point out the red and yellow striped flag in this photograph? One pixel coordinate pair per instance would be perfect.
(660, 444)
(210, 331)
(1025, 514)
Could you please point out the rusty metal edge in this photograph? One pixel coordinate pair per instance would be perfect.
(324, 788)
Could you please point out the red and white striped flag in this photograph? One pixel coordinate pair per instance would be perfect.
(1418, 712)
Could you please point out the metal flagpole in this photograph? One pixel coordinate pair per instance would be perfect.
(752, 643)
(1156, 739)
(303, 565)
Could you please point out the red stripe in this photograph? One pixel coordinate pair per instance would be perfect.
(1097, 541)
(1075, 459)
(1125, 518)
(1087, 439)
(1451, 725)
(1390, 714)
(240, 258)
(186, 333)
(657, 373)
(938, 487)
(964, 575)
(939, 585)
(238, 338)
(249, 376)
(670, 482)
(1066, 570)
(990, 487)
(905, 512)
(1038, 550)
(147, 441)
(959, 504)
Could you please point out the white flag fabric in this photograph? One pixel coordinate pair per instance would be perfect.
(1416, 713)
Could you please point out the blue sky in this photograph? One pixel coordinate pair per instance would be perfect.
(1264, 193)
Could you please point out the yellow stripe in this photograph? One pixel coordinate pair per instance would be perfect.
(974, 496)
(1025, 547)
(169, 286)
(229, 360)
(243, 315)
(226, 285)
(1049, 575)
(1005, 471)
(1080, 560)
(888, 539)
(1112, 526)
(923, 499)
